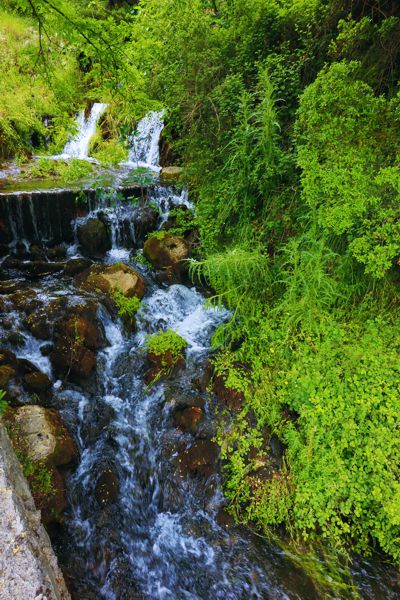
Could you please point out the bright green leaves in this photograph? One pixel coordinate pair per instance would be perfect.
(348, 140)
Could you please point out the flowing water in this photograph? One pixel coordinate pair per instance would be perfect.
(78, 145)
(161, 537)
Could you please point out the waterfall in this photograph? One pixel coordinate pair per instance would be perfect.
(78, 145)
(144, 151)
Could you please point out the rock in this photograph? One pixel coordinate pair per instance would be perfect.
(25, 300)
(36, 382)
(56, 252)
(40, 268)
(15, 339)
(189, 419)
(45, 349)
(94, 238)
(43, 433)
(145, 221)
(78, 333)
(76, 265)
(224, 519)
(9, 286)
(168, 252)
(8, 358)
(87, 330)
(53, 502)
(108, 278)
(75, 360)
(171, 174)
(107, 488)
(199, 459)
(6, 373)
(38, 325)
(232, 398)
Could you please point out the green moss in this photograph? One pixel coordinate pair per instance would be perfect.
(166, 342)
(126, 307)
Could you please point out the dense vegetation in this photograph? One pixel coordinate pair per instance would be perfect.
(285, 114)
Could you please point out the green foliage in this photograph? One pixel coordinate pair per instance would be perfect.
(166, 343)
(126, 307)
(38, 474)
(3, 402)
(348, 155)
(66, 171)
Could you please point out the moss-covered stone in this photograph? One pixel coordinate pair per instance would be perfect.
(168, 253)
(107, 279)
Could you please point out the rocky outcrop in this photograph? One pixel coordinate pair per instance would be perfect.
(107, 279)
(28, 566)
(94, 238)
(168, 253)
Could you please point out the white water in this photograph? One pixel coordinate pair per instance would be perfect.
(144, 151)
(78, 145)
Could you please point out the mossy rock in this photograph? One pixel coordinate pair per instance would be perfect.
(168, 253)
(107, 279)
(41, 434)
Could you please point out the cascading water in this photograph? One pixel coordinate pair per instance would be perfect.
(160, 537)
(144, 143)
(78, 145)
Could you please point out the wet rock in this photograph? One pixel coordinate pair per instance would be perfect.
(171, 175)
(39, 268)
(43, 432)
(15, 339)
(76, 360)
(108, 278)
(8, 358)
(94, 238)
(233, 399)
(199, 459)
(188, 419)
(45, 349)
(25, 300)
(36, 382)
(145, 221)
(88, 330)
(224, 519)
(56, 252)
(9, 286)
(76, 265)
(52, 501)
(38, 325)
(6, 373)
(78, 333)
(168, 253)
(107, 488)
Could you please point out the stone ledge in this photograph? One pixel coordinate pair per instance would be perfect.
(28, 565)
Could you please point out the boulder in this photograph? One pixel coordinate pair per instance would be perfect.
(42, 433)
(109, 278)
(6, 373)
(36, 382)
(94, 238)
(145, 221)
(199, 459)
(188, 419)
(76, 265)
(8, 358)
(171, 174)
(168, 253)
(78, 334)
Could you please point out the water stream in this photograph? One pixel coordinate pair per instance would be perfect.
(161, 537)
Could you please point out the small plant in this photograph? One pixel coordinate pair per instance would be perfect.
(168, 346)
(126, 307)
